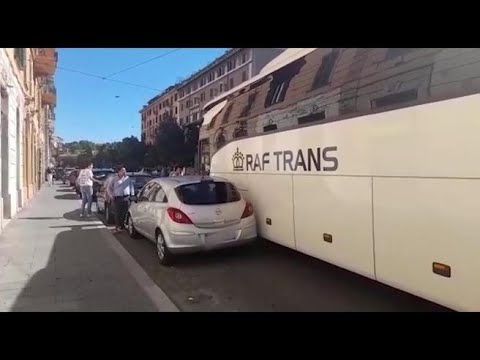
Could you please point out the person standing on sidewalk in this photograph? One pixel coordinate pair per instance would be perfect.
(50, 176)
(120, 188)
(85, 180)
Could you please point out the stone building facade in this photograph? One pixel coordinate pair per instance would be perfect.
(27, 102)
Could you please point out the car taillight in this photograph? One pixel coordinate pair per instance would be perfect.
(178, 216)
(248, 211)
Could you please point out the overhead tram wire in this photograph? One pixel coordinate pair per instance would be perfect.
(143, 63)
(106, 79)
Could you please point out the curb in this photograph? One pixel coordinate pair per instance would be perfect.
(156, 295)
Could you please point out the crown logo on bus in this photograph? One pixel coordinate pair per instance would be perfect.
(237, 161)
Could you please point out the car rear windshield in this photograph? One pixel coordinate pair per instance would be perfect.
(208, 193)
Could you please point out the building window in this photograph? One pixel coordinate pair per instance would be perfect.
(231, 84)
(195, 117)
(176, 110)
(244, 76)
(202, 97)
(20, 56)
(226, 114)
(211, 76)
(325, 70)
(240, 130)
(244, 58)
(189, 90)
(181, 106)
(182, 93)
(220, 71)
(194, 86)
(221, 87)
(221, 140)
(281, 81)
(195, 100)
(251, 100)
(231, 65)
(215, 92)
(175, 97)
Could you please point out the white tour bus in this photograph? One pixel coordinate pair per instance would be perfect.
(368, 159)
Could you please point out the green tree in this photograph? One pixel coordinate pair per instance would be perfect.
(169, 144)
(191, 136)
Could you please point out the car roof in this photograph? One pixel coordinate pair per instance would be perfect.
(140, 173)
(175, 181)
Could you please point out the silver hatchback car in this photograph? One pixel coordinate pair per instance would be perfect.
(187, 214)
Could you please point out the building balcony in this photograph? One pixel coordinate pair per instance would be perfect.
(45, 62)
(49, 94)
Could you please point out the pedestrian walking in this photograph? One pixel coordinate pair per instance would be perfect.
(85, 180)
(120, 188)
(50, 176)
(164, 171)
(177, 171)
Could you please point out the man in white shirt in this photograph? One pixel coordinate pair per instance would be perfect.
(120, 188)
(85, 180)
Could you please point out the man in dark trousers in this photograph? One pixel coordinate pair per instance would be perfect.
(120, 188)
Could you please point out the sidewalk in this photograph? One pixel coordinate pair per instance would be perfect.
(53, 260)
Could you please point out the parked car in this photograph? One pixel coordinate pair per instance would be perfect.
(98, 174)
(72, 177)
(66, 174)
(104, 206)
(187, 214)
(59, 173)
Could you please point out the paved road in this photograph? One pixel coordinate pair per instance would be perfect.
(266, 277)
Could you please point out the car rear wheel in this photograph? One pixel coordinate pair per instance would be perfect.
(164, 255)
(131, 228)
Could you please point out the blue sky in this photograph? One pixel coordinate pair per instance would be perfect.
(88, 108)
